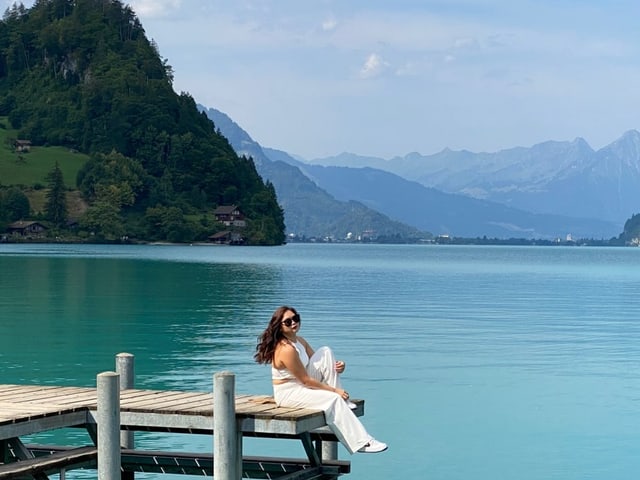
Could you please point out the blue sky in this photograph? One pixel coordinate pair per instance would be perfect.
(385, 78)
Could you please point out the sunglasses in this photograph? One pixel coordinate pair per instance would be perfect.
(291, 320)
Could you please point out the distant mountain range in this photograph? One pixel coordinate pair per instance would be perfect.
(309, 210)
(562, 178)
(547, 191)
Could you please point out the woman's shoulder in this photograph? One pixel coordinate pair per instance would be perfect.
(284, 349)
(284, 345)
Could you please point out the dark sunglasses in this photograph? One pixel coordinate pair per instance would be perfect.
(291, 320)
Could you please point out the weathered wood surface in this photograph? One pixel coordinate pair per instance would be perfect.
(48, 407)
(28, 409)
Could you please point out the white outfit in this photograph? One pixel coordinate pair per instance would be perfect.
(339, 417)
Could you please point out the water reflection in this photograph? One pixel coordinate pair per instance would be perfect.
(64, 319)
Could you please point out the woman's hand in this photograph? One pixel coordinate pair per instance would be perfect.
(343, 393)
(340, 366)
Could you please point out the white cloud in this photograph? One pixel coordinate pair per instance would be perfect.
(373, 66)
(465, 42)
(531, 69)
(410, 68)
(329, 24)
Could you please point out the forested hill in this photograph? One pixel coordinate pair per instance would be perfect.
(82, 74)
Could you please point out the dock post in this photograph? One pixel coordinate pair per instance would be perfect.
(329, 451)
(125, 368)
(109, 460)
(227, 439)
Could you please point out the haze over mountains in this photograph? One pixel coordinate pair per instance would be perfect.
(550, 190)
(564, 178)
(309, 210)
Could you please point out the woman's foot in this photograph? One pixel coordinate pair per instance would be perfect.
(374, 446)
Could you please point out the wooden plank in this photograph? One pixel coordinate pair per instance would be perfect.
(49, 396)
(244, 398)
(153, 401)
(173, 398)
(200, 407)
(261, 399)
(206, 403)
(69, 396)
(23, 393)
(125, 394)
(61, 392)
(27, 407)
(133, 393)
(283, 413)
(9, 389)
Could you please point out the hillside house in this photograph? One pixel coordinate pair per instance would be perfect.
(22, 146)
(26, 229)
(230, 216)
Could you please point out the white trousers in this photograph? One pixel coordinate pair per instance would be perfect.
(339, 417)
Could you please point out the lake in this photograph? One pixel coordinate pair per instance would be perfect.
(475, 362)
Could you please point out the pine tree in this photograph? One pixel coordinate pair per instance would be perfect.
(56, 206)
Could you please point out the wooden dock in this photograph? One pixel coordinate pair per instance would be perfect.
(30, 409)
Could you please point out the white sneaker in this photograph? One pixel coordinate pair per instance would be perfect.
(374, 446)
(352, 405)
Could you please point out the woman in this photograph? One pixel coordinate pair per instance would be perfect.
(308, 379)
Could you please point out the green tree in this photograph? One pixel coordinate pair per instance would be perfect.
(56, 205)
(14, 205)
(103, 218)
(103, 221)
(112, 174)
(170, 223)
(82, 74)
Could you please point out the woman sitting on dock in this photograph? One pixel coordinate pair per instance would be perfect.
(306, 379)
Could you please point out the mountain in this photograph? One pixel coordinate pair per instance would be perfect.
(409, 202)
(445, 213)
(562, 178)
(308, 209)
(82, 75)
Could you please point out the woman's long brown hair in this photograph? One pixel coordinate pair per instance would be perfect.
(269, 339)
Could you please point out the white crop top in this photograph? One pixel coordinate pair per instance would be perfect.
(283, 373)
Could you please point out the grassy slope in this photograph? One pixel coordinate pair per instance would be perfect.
(30, 169)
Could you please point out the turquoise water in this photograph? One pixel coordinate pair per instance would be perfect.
(476, 362)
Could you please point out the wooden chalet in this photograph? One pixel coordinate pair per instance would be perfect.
(230, 216)
(22, 145)
(25, 229)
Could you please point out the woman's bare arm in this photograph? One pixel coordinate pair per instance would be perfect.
(286, 356)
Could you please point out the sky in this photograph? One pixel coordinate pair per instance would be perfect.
(386, 78)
